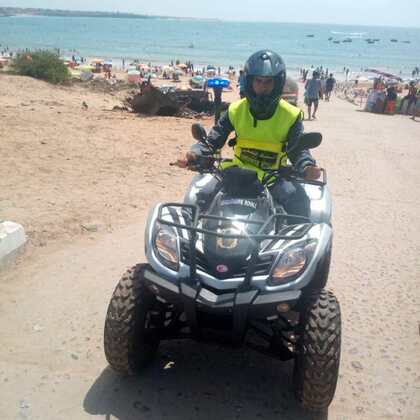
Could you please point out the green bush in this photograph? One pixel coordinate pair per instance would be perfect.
(44, 65)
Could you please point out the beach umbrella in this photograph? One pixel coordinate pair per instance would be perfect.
(383, 73)
(197, 81)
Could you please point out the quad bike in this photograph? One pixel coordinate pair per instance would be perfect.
(231, 265)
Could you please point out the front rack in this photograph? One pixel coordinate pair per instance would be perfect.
(255, 239)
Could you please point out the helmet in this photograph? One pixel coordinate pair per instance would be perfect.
(264, 63)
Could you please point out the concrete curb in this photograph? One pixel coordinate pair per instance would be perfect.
(12, 242)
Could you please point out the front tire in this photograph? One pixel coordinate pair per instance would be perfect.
(131, 338)
(318, 358)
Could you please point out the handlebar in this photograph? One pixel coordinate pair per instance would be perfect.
(289, 173)
(202, 164)
(207, 164)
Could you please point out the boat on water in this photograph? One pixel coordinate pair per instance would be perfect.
(310, 36)
(372, 40)
(336, 42)
(347, 40)
(330, 38)
(406, 42)
(393, 40)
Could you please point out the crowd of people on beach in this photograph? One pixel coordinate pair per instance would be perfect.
(318, 81)
(6, 52)
(318, 87)
(384, 98)
(383, 94)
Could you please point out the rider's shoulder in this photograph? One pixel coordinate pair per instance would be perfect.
(289, 107)
(238, 103)
(283, 103)
(236, 106)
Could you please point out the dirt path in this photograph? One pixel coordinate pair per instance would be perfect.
(53, 304)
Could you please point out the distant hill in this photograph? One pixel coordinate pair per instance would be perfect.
(18, 11)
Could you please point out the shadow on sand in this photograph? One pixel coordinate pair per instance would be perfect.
(197, 381)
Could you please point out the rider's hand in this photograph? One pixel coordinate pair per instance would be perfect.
(312, 173)
(184, 162)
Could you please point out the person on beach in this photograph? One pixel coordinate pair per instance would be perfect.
(329, 86)
(413, 117)
(313, 92)
(411, 97)
(265, 126)
(390, 100)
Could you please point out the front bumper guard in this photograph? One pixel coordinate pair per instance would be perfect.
(241, 303)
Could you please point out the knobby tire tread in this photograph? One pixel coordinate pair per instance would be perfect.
(317, 364)
(127, 347)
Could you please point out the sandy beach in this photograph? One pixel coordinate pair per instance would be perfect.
(81, 180)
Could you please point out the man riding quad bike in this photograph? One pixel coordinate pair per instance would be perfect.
(245, 258)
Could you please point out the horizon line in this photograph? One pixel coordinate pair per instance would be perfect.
(145, 15)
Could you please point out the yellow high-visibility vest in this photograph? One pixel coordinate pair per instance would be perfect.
(260, 146)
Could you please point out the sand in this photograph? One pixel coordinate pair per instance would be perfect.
(64, 166)
(81, 181)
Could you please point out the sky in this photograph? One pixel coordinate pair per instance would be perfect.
(358, 12)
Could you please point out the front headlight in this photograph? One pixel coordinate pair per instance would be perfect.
(166, 245)
(292, 262)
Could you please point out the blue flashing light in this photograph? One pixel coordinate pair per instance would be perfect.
(218, 82)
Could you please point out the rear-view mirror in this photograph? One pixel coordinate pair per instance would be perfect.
(306, 141)
(198, 132)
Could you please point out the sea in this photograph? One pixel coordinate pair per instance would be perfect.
(220, 43)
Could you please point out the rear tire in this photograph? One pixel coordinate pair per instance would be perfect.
(318, 359)
(131, 339)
